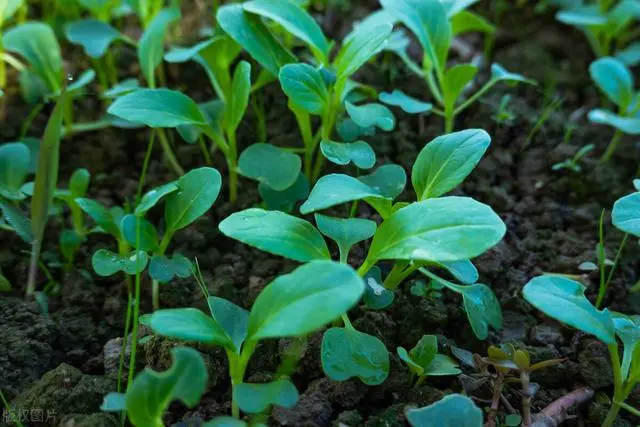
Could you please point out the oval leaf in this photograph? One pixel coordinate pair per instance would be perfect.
(359, 152)
(614, 79)
(256, 398)
(408, 104)
(188, 324)
(272, 165)
(626, 214)
(334, 189)
(372, 114)
(454, 410)
(304, 85)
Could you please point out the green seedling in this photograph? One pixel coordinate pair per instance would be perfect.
(427, 233)
(314, 294)
(8, 9)
(453, 410)
(605, 23)
(573, 164)
(615, 81)
(504, 116)
(434, 24)
(423, 360)
(564, 300)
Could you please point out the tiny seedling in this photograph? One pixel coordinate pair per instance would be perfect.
(434, 24)
(573, 163)
(616, 82)
(423, 360)
(564, 300)
(504, 116)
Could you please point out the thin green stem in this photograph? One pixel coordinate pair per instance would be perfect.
(168, 152)
(145, 167)
(347, 322)
(399, 272)
(630, 408)
(232, 161)
(237, 368)
(26, 123)
(601, 259)
(136, 316)
(613, 145)
(613, 269)
(205, 151)
(618, 384)
(474, 97)
(127, 325)
(10, 413)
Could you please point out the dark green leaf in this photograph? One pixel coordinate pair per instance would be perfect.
(163, 268)
(151, 46)
(197, 191)
(17, 220)
(188, 324)
(364, 43)
(14, 168)
(346, 232)
(107, 263)
(335, 189)
(148, 242)
(100, 215)
(152, 197)
(286, 199)
(93, 35)
(256, 398)
(372, 114)
(272, 165)
(233, 319)
(239, 97)
(304, 85)
(376, 296)
(358, 152)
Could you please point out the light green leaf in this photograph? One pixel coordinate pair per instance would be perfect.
(197, 192)
(626, 214)
(371, 114)
(151, 392)
(163, 268)
(239, 97)
(93, 35)
(5, 285)
(364, 43)
(122, 88)
(158, 108)
(277, 168)
(456, 79)
(628, 125)
(277, 233)
(293, 18)
(15, 159)
(465, 22)
(408, 104)
(455, 7)
(421, 355)
(429, 22)
(233, 319)
(251, 33)
(17, 220)
(100, 215)
(499, 74)
(564, 300)
(314, 294)
(151, 46)
(8, 8)
(582, 16)
(107, 263)
(152, 197)
(482, 308)
(305, 87)
(346, 232)
(628, 330)
(347, 353)
(358, 152)
(376, 296)
(335, 189)
(446, 161)
(149, 241)
(79, 182)
(464, 271)
(188, 324)
(614, 79)
(440, 230)
(256, 398)
(454, 410)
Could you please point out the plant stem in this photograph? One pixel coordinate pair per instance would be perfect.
(26, 123)
(448, 121)
(603, 289)
(526, 399)
(601, 259)
(168, 152)
(237, 367)
(618, 384)
(136, 317)
(155, 295)
(495, 400)
(630, 408)
(145, 166)
(127, 325)
(232, 161)
(613, 145)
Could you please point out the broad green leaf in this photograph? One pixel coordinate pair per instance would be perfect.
(79, 183)
(499, 74)
(37, 43)
(277, 233)
(482, 308)
(564, 300)
(151, 46)
(347, 353)
(464, 271)
(93, 35)
(465, 22)
(389, 180)
(17, 220)
(286, 199)
(179, 54)
(122, 88)
(197, 192)
(628, 125)
(163, 268)
(628, 330)
(256, 398)
(239, 97)
(107, 263)
(152, 197)
(429, 22)
(629, 56)
(15, 160)
(188, 324)
(252, 34)
(620, 16)
(8, 8)
(149, 241)
(614, 79)
(70, 242)
(439, 230)
(314, 294)
(277, 168)
(100, 215)
(455, 7)
(358, 152)
(408, 104)
(349, 131)
(364, 43)
(455, 80)
(233, 319)
(626, 214)
(158, 108)
(376, 296)
(454, 410)
(335, 189)
(372, 114)
(582, 16)
(421, 355)
(446, 161)
(346, 232)
(304, 85)
(293, 18)
(151, 392)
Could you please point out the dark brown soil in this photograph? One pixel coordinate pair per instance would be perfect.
(551, 217)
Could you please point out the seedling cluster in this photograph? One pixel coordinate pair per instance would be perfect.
(332, 204)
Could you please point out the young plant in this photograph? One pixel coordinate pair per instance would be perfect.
(15, 165)
(564, 300)
(606, 24)
(615, 81)
(573, 163)
(438, 232)
(423, 360)
(8, 9)
(292, 305)
(434, 24)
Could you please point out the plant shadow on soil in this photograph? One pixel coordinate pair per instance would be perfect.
(551, 219)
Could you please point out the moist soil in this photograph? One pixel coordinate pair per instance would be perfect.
(61, 363)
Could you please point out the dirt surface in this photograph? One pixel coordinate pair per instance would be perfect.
(57, 362)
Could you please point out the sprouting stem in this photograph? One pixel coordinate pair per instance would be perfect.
(616, 260)
(237, 368)
(618, 393)
(168, 152)
(232, 161)
(613, 145)
(145, 166)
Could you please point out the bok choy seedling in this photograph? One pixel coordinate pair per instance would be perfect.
(434, 23)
